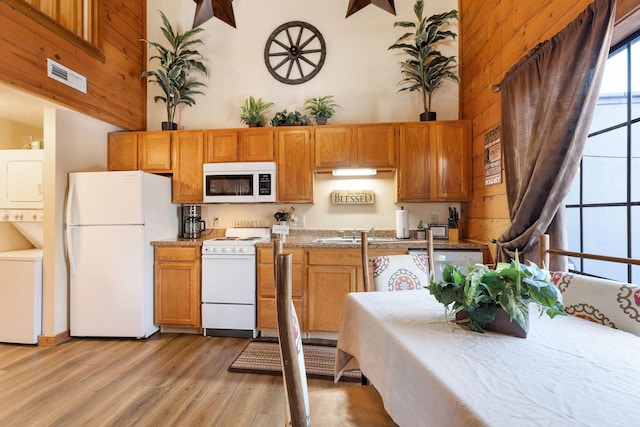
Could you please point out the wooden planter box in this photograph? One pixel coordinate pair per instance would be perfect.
(502, 324)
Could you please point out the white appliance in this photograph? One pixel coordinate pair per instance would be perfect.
(455, 257)
(240, 182)
(111, 218)
(21, 179)
(21, 296)
(229, 283)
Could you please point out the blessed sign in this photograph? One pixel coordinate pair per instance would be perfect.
(352, 197)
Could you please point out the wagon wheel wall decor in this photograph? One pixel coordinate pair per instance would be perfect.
(295, 52)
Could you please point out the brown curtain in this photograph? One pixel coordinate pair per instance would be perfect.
(548, 99)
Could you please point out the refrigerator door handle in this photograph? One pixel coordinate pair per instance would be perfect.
(68, 227)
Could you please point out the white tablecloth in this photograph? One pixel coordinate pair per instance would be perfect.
(567, 372)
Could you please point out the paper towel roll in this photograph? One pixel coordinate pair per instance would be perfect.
(402, 224)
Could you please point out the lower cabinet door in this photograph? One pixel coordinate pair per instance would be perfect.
(327, 288)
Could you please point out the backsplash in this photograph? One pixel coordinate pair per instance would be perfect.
(324, 215)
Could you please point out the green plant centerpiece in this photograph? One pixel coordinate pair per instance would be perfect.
(293, 118)
(427, 68)
(321, 108)
(483, 292)
(253, 111)
(177, 62)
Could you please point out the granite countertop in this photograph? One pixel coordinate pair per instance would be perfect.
(304, 238)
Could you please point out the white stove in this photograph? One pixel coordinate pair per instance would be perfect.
(229, 282)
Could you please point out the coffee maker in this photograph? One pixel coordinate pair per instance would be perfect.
(192, 223)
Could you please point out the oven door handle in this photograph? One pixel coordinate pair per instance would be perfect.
(212, 257)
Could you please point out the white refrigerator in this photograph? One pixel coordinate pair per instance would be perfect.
(111, 218)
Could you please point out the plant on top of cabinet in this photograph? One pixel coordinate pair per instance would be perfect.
(427, 67)
(294, 118)
(177, 62)
(252, 111)
(321, 108)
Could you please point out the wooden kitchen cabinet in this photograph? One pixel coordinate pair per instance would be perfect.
(122, 151)
(452, 151)
(177, 286)
(375, 145)
(369, 145)
(257, 145)
(327, 287)
(221, 146)
(295, 155)
(266, 287)
(331, 275)
(188, 157)
(239, 145)
(334, 147)
(147, 151)
(434, 161)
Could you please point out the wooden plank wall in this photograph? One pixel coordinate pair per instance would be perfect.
(115, 92)
(494, 35)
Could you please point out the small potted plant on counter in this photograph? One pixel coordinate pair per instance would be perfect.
(177, 62)
(421, 234)
(497, 300)
(321, 108)
(253, 110)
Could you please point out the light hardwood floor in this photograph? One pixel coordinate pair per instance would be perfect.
(165, 380)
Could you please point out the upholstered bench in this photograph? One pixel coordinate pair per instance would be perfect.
(603, 301)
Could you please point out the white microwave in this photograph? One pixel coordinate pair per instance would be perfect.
(241, 182)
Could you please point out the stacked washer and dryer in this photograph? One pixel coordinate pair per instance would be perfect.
(21, 203)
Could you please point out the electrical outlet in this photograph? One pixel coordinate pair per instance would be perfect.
(216, 221)
(300, 222)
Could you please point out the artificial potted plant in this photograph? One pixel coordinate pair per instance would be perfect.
(321, 108)
(177, 62)
(293, 118)
(421, 234)
(253, 110)
(497, 299)
(427, 67)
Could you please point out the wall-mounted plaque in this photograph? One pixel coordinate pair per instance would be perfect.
(493, 156)
(352, 197)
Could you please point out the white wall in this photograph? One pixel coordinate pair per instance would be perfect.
(73, 142)
(359, 70)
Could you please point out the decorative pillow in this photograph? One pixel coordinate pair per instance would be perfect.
(603, 301)
(400, 272)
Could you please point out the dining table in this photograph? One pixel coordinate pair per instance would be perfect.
(432, 371)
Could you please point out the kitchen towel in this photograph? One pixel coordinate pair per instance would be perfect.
(402, 224)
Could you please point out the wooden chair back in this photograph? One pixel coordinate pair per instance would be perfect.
(359, 406)
(290, 338)
(416, 266)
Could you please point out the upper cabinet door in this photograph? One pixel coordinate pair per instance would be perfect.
(434, 161)
(122, 151)
(188, 155)
(154, 152)
(221, 146)
(453, 175)
(414, 163)
(375, 146)
(334, 147)
(295, 165)
(257, 145)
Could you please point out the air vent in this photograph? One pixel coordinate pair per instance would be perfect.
(64, 75)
